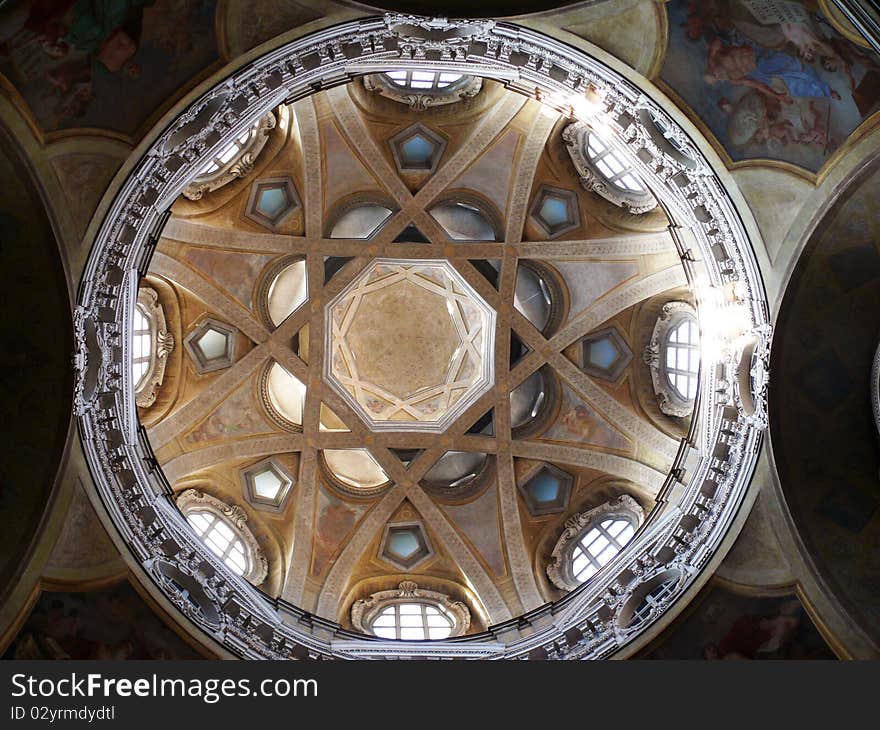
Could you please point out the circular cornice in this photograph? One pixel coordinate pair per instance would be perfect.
(710, 474)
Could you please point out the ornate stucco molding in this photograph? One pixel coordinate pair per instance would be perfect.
(239, 166)
(671, 315)
(576, 136)
(365, 610)
(559, 567)
(465, 88)
(161, 342)
(729, 414)
(193, 500)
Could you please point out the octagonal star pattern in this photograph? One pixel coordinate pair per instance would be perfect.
(411, 345)
(352, 482)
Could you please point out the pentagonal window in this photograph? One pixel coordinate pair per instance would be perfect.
(606, 354)
(464, 221)
(405, 545)
(556, 210)
(547, 491)
(211, 345)
(417, 149)
(272, 200)
(266, 485)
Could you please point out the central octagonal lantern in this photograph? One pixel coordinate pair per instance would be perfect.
(410, 345)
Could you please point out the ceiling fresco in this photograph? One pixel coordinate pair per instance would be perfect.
(770, 80)
(783, 87)
(70, 62)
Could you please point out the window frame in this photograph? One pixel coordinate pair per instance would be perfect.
(365, 611)
(577, 139)
(146, 389)
(670, 400)
(235, 518)
(560, 567)
(239, 165)
(419, 99)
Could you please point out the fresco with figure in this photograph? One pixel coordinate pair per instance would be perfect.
(113, 623)
(73, 60)
(725, 625)
(770, 78)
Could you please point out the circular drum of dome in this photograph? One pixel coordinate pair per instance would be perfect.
(676, 541)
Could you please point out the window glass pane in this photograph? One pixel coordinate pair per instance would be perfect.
(412, 633)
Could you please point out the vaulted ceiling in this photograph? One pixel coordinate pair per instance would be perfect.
(488, 545)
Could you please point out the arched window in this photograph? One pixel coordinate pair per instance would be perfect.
(413, 620)
(410, 613)
(457, 473)
(284, 289)
(283, 396)
(422, 80)
(605, 170)
(223, 529)
(673, 355)
(233, 161)
(591, 539)
(423, 88)
(649, 599)
(141, 347)
(683, 358)
(613, 167)
(599, 544)
(221, 538)
(150, 347)
(353, 471)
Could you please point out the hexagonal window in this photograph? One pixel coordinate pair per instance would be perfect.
(606, 354)
(547, 491)
(397, 373)
(405, 545)
(266, 485)
(211, 345)
(417, 149)
(272, 200)
(556, 210)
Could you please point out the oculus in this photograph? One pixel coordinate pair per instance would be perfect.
(411, 345)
